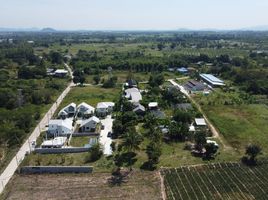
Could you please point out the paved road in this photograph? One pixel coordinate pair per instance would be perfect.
(214, 131)
(26, 147)
(104, 140)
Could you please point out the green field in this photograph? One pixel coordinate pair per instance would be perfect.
(91, 95)
(241, 124)
(217, 181)
(148, 48)
(138, 76)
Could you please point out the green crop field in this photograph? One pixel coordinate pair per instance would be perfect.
(217, 181)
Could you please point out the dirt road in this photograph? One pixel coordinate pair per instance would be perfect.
(214, 131)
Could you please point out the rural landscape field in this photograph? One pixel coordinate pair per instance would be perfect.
(141, 100)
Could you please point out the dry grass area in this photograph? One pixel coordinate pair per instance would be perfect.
(136, 185)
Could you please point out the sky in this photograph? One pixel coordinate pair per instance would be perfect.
(133, 14)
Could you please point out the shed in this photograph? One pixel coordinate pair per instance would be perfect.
(200, 122)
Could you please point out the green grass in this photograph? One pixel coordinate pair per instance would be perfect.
(174, 155)
(91, 95)
(80, 141)
(238, 121)
(241, 125)
(219, 181)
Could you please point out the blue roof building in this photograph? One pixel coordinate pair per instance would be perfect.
(182, 70)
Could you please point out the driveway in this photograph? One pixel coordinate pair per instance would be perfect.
(104, 140)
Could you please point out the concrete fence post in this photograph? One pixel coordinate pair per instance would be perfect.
(29, 145)
(17, 160)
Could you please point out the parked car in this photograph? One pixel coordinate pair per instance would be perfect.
(102, 127)
(109, 134)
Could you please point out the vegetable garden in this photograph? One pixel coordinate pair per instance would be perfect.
(217, 181)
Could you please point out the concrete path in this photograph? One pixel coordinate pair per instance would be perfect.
(214, 131)
(26, 147)
(104, 140)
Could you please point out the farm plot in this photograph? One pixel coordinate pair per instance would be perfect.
(217, 181)
(136, 185)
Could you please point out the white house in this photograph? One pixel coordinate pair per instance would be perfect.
(68, 111)
(89, 125)
(58, 127)
(85, 110)
(133, 94)
(104, 108)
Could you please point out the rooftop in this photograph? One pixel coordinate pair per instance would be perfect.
(57, 141)
(85, 105)
(61, 71)
(133, 94)
(95, 119)
(182, 70)
(153, 104)
(212, 79)
(60, 122)
(105, 104)
(200, 122)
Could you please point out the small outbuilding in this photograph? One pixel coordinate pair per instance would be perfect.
(57, 142)
(200, 122)
(182, 70)
(153, 105)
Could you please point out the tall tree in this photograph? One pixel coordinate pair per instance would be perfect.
(131, 141)
(253, 151)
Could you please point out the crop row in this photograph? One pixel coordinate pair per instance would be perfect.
(217, 181)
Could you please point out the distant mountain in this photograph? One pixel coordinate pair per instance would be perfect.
(256, 28)
(48, 30)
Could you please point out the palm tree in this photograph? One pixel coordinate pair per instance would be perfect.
(131, 141)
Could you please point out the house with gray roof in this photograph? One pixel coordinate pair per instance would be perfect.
(68, 111)
(104, 108)
(89, 125)
(139, 109)
(133, 95)
(85, 110)
(59, 127)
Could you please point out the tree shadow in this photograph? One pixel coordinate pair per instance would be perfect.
(118, 178)
(148, 166)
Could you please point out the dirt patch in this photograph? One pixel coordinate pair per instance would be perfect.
(136, 185)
